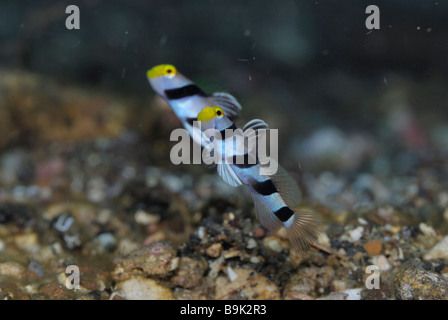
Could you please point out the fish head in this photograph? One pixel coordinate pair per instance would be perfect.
(213, 118)
(164, 77)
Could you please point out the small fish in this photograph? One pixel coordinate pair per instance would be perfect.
(275, 197)
(186, 98)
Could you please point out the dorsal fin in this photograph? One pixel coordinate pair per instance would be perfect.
(256, 124)
(263, 213)
(228, 103)
(287, 187)
(252, 130)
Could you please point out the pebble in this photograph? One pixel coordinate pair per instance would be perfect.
(381, 262)
(190, 272)
(104, 216)
(443, 199)
(96, 189)
(12, 269)
(386, 213)
(141, 288)
(40, 296)
(232, 274)
(86, 297)
(338, 285)
(215, 267)
(202, 232)
(324, 239)
(247, 284)
(439, 251)
(445, 271)
(414, 282)
(144, 218)
(275, 243)
(299, 296)
(427, 230)
(356, 234)
(231, 254)
(155, 237)
(126, 246)
(107, 241)
(254, 260)
(251, 244)
(158, 259)
(258, 233)
(299, 284)
(183, 294)
(362, 221)
(335, 296)
(11, 163)
(308, 281)
(10, 291)
(353, 294)
(373, 247)
(214, 251)
(55, 291)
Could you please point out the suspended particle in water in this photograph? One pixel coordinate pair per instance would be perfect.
(163, 40)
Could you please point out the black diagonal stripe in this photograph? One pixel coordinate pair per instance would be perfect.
(186, 91)
(223, 131)
(191, 120)
(284, 213)
(265, 188)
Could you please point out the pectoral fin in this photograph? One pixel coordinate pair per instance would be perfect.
(228, 175)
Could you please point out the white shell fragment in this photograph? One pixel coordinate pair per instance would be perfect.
(439, 251)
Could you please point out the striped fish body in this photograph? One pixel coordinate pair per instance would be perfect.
(275, 197)
(264, 189)
(185, 98)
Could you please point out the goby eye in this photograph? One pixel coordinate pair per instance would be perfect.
(170, 71)
(218, 112)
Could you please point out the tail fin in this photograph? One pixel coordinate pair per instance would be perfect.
(304, 230)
